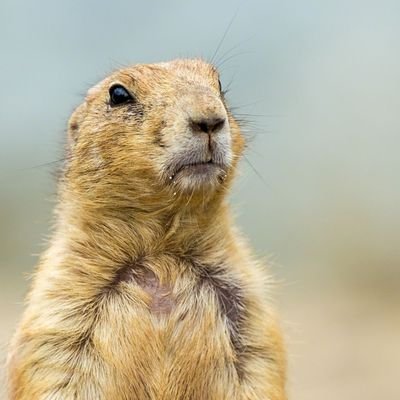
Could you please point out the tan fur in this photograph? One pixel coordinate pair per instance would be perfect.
(147, 291)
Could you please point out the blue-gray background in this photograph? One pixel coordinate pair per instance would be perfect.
(320, 81)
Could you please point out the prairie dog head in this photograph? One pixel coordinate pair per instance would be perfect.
(154, 131)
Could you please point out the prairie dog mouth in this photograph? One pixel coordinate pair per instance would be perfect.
(197, 168)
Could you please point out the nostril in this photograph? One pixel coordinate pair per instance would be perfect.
(208, 125)
(204, 127)
(218, 125)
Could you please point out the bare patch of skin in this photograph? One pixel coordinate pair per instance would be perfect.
(161, 298)
(161, 301)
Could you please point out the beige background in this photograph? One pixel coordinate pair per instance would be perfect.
(320, 83)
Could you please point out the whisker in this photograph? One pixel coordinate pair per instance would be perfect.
(224, 35)
(253, 103)
(255, 171)
(217, 62)
(256, 115)
(44, 164)
(34, 167)
(242, 53)
(228, 86)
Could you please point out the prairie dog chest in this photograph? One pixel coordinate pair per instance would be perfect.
(167, 307)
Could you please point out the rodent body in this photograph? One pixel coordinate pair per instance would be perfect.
(147, 291)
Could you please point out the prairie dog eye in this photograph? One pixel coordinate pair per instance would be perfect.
(220, 85)
(119, 95)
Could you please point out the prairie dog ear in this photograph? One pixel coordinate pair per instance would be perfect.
(75, 122)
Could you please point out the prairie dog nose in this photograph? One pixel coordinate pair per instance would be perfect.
(207, 125)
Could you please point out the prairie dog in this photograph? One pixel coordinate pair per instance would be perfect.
(147, 291)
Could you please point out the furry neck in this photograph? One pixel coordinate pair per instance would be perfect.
(120, 234)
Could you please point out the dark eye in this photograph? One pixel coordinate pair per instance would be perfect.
(119, 95)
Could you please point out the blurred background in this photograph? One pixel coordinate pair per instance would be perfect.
(319, 193)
